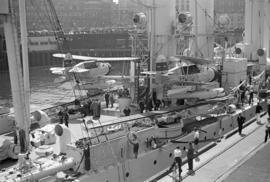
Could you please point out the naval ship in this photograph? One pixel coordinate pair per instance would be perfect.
(108, 154)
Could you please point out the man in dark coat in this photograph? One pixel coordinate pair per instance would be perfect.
(251, 93)
(258, 111)
(141, 105)
(240, 121)
(126, 111)
(107, 95)
(190, 157)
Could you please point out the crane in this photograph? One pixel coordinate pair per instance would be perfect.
(57, 27)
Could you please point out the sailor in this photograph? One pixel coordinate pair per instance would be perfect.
(96, 107)
(111, 100)
(251, 93)
(196, 138)
(177, 160)
(250, 79)
(141, 105)
(240, 121)
(157, 104)
(258, 111)
(243, 96)
(149, 104)
(190, 156)
(267, 130)
(107, 95)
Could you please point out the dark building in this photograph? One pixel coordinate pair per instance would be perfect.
(73, 15)
(88, 27)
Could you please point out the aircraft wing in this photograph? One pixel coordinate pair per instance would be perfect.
(149, 73)
(83, 58)
(101, 59)
(195, 60)
(116, 77)
(78, 70)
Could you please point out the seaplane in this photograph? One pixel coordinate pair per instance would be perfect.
(89, 72)
(85, 67)
(191, 79)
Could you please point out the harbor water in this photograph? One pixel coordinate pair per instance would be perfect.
(44, 92)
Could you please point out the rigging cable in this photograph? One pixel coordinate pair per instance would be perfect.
(38, 11)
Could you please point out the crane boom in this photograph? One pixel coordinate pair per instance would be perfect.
(57, 28)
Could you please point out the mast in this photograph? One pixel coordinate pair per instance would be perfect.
(24, 44)
(16, 77)
(196, 28)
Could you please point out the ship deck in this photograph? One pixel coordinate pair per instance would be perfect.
(109, 116)
(236, 158)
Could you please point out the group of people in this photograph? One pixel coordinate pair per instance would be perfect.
(90, 107)
(109, 99)
(245, 94)
(191, 153)
(149, 105)
(192, 150)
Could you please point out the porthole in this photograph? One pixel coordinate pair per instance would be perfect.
(223, 129)
(127, 174)
(215, 133)
(170, 155)
(205, 138)
(184, 148)
(155, 162)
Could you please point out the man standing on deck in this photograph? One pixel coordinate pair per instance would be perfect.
(197, 137)
(190, 156)
(177, 160)
(111, 99)
(267, 130)
(240, 121)
(258, 111)
(251, 96)
(107, 99)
